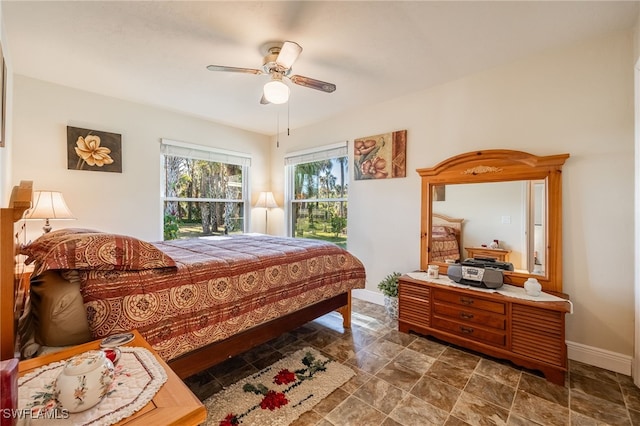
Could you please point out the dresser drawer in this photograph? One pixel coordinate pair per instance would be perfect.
(471, 316)
(469, 301)
(470, 331)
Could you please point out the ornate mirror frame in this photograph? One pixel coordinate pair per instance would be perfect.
(496, 166)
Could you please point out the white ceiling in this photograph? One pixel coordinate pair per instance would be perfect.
(156, 52)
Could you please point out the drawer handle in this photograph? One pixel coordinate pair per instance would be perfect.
(466, 315)
(466, 301)
(466, 330)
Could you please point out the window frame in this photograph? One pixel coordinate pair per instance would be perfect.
(174, 148)
(311, 155)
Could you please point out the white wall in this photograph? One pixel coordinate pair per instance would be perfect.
(5, 152)
(127, 202)
(578, 100)
(636, 56)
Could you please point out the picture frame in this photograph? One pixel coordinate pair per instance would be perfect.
(3, 100)
(381, 156)
(439, 193)
(93, 150)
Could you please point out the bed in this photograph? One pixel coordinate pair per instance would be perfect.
(445, 238)
(197, 302)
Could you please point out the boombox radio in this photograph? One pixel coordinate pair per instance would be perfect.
(479, 272)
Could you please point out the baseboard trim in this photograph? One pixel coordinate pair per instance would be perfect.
(602, 358)
(368, 296)
(597, 357)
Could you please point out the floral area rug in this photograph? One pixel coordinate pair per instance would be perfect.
(280, 393)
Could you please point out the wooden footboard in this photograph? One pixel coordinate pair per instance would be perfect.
(210, 355)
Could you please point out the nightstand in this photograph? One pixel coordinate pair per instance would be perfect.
(497, 254)
(174, 404)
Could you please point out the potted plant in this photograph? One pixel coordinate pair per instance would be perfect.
(389, 288)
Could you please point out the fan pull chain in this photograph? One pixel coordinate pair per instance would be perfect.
(278, 129)
(288, 116)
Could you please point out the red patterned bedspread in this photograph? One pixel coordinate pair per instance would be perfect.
(221, 286)
(444, 243)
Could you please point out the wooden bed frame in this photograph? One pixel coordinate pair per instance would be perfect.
(10, 277)
(216, 352)
(185, 365)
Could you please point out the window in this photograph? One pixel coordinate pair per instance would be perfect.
(204, 190)
(317, 183)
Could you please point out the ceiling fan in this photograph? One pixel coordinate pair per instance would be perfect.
(278, 59)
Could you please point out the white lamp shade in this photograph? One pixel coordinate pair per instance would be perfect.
(266, 200)
(276, 92)
(49, 205)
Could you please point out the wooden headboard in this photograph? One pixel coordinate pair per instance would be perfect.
(441, 219)
(9, 282)
(444, 220)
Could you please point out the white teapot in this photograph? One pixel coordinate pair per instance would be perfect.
(83, 381)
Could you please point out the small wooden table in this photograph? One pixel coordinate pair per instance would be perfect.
(174, 404)
(501, 255)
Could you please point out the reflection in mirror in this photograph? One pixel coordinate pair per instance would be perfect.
(537, 226)
(511, 212)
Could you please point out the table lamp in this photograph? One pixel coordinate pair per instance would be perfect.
(266, 201)
(48, 205)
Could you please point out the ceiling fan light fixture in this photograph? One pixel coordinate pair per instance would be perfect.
(278, 60)
(276, 92)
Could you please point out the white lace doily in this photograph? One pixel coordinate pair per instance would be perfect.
(138, 377)
(505, 290)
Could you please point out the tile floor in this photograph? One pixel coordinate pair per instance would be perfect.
(405, 379)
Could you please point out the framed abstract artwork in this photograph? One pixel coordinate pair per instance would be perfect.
(438, 193)
(380, 156)
(3, 101)
(3, 126)
(93, 150)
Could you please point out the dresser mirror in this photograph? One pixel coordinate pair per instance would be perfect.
(512, 196)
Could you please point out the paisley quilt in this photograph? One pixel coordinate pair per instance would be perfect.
(219, 286)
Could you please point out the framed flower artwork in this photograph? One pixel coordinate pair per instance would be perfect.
(93, 150)
(380, 156)
(3, 100)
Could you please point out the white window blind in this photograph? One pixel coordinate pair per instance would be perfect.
(200, 152)
(316, 154)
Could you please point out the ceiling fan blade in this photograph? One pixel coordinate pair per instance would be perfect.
(313, 83)
(234, 69)
(264, 101)
(289, 52)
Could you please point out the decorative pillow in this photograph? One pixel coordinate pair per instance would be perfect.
(98, 251)
(41, 246)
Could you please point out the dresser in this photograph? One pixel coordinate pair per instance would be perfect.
(530, 334)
